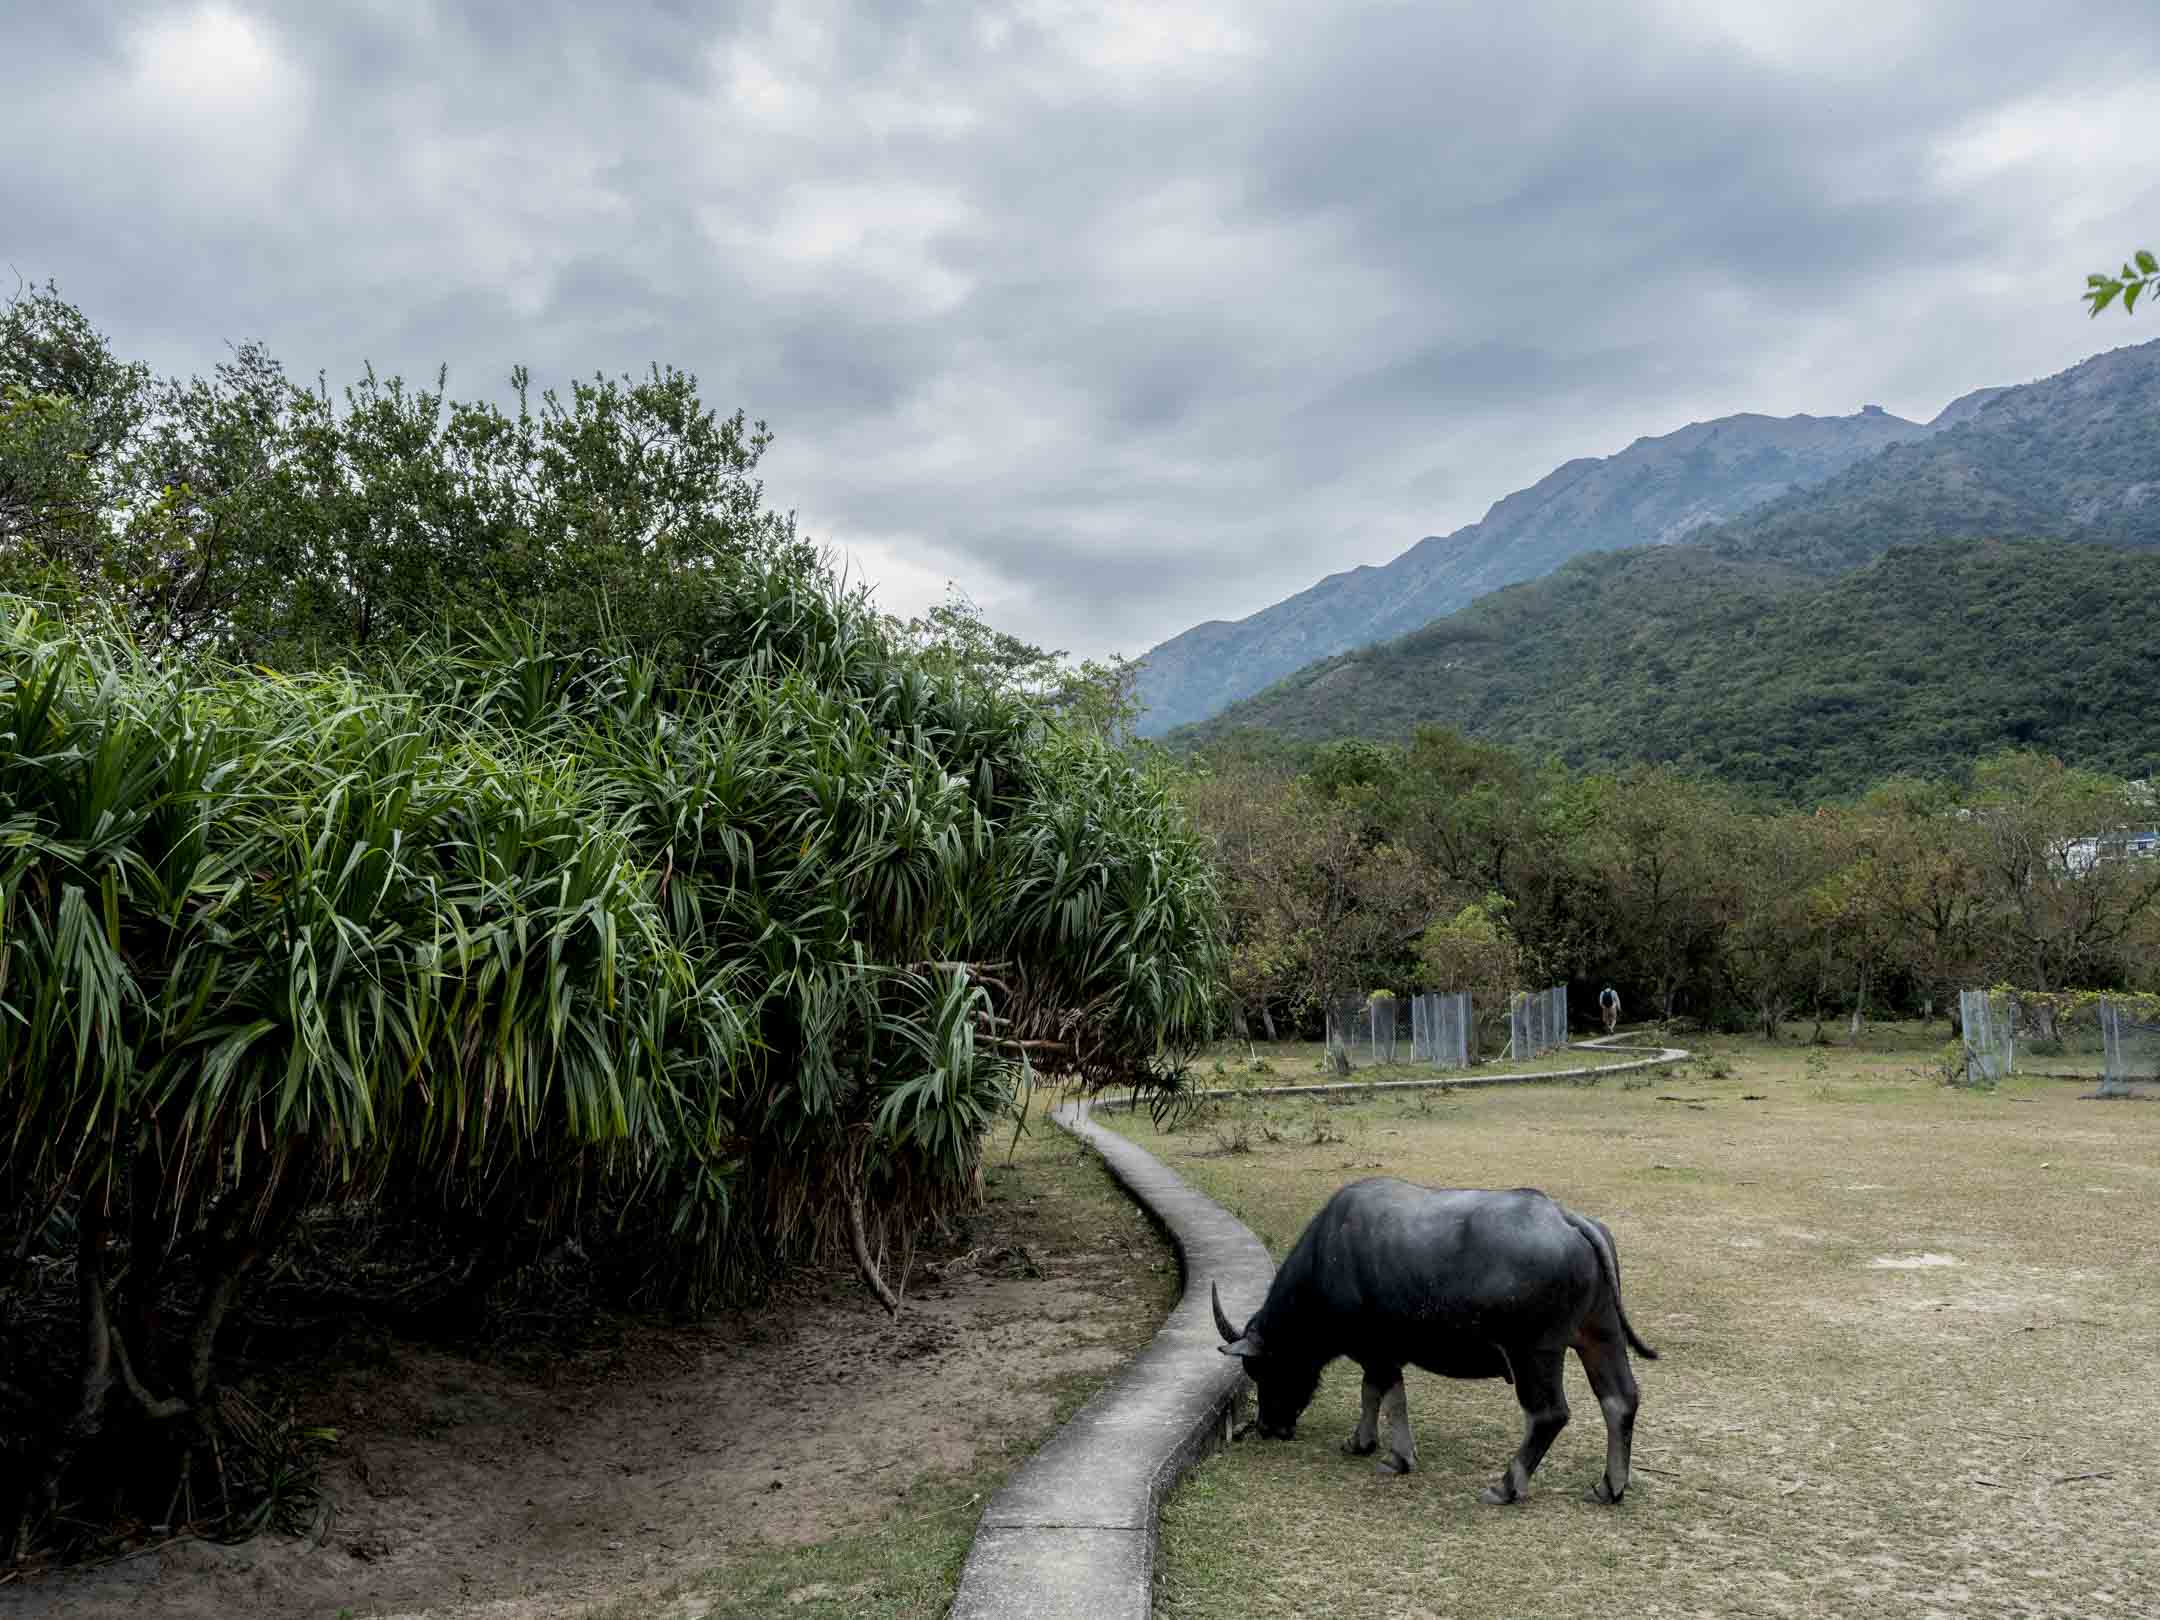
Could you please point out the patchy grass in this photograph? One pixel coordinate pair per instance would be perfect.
(1058, 1198)
(905, 1567)
(1825, 1434)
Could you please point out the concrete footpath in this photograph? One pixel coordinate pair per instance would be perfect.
(1072, 1536)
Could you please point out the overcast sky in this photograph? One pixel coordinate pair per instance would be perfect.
(1122, 316)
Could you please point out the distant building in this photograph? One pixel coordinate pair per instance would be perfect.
(2134, 840)
(2126, 843)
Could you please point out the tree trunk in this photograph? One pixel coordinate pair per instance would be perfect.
(97, 1379)
(246, 1228)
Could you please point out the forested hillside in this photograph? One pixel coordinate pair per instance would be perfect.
(1918, 663)
(2076, 456)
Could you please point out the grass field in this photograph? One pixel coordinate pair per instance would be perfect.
(1906, 1338)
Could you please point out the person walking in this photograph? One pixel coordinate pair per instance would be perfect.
(1609, 1003)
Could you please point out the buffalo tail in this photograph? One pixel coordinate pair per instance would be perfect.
(1609, 1263)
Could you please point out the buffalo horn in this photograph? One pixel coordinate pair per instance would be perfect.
(1222, 1322)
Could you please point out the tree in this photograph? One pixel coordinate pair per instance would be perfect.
(2060, 906)
(1774, 939)
(242, 514)
(1849, 906)
(1919, 868)
(1474, 950)
(1317, 908)
(1098, 696)
(69, 412)
(1652, 846)
(1461, 805)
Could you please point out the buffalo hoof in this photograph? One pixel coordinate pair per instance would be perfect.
(1601, 1493)
(1392, 1463)
(1498, 1496)
(1358, 1446)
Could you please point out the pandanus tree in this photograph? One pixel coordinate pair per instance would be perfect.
(499, 824)
(714, 964)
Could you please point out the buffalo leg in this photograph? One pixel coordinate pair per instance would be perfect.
(1402, 1447)
(1545, 1414)
(1605, 1362)
(1366, 1436)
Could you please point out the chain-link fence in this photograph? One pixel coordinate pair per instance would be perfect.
(2060, 1037)
(1367, 1029)
(1344, 1016)
(1440, 1029)
(1384, 1017)
(1990, 1036)
(1537, 1022)
(1385, 1028)
(2130, 1049)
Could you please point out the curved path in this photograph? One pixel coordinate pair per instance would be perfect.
(1072, 1535)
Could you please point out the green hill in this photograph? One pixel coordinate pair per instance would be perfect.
(1920, 661)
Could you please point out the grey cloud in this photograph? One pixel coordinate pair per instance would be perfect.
(1127, 344)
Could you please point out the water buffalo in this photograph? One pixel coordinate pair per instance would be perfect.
(1464, 1284)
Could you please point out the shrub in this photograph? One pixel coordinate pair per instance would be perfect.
(715, 967)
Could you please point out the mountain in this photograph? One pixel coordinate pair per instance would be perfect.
(1654, 492)
(2076, 456)
(1920, 661)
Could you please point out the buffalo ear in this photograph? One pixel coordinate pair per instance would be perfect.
(1245, 1348)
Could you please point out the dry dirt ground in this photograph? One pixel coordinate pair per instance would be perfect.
(1907, 1344)
(678, 1468)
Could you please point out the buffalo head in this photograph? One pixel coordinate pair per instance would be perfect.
(1283, 1385)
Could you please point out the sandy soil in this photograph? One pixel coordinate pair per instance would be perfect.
(466, 1490)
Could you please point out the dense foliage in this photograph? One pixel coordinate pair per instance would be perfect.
(245, 514)
(1916, 664)
(1447, 863)
(574, 860)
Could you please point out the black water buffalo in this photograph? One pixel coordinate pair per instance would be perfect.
(1464, 1284)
